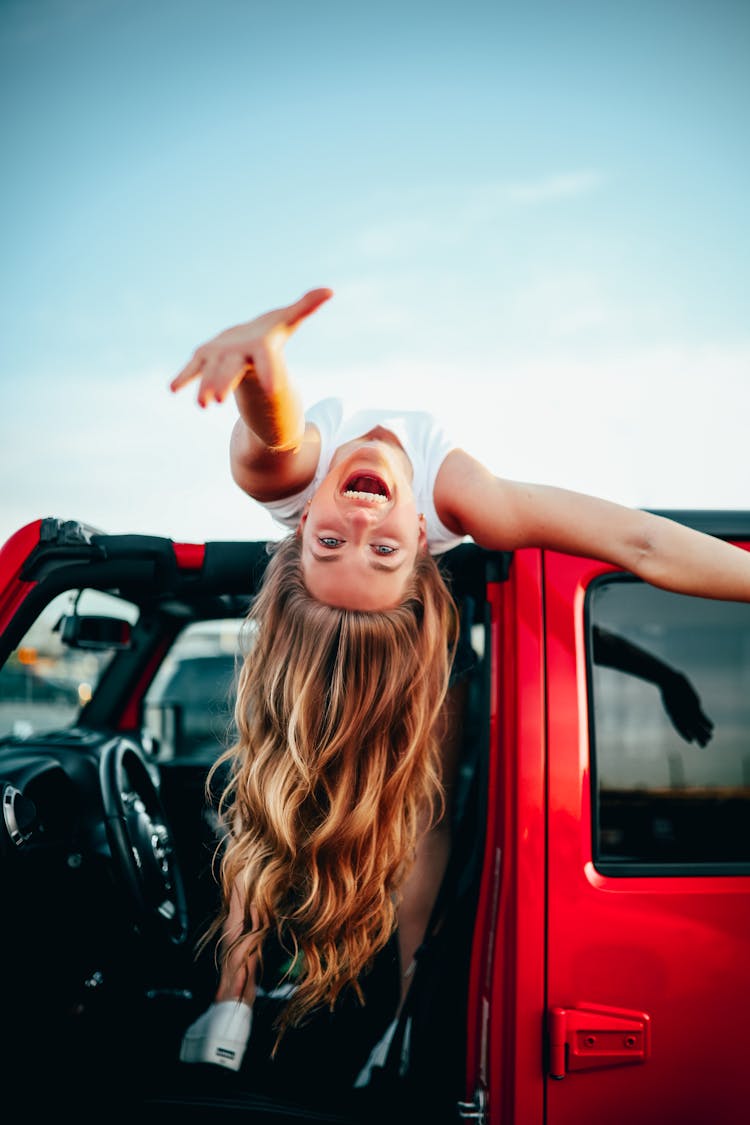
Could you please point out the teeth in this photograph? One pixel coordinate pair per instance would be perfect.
(375, 497)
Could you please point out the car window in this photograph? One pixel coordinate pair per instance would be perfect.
(188, 709)
(44, 683)
(670, 728)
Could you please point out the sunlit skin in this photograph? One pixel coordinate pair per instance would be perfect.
(358, 553)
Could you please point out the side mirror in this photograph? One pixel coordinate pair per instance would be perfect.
(98, 633)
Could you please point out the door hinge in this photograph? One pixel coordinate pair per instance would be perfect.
(476, 1109)
(594, 1035)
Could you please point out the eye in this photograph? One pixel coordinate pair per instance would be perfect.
(330, 542)
(383, 549)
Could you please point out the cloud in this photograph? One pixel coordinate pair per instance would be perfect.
(440, 219)
(566, 185)
(570, 303)
(485, 202)
(402, 238)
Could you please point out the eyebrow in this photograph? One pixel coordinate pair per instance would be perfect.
(334, 558)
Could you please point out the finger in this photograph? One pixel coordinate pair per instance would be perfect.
(221, 375)
(209, 383)
(306, 305)
(226, 375)
(189, 372)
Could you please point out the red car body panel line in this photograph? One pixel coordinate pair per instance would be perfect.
(516, 1079)
(484, 930)
(508, 962)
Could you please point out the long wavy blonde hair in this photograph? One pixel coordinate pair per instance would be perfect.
(334, 769)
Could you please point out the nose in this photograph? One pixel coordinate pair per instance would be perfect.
(361, 519)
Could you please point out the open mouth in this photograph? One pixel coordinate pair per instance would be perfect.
(366, 486)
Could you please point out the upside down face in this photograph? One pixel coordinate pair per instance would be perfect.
(361, 532)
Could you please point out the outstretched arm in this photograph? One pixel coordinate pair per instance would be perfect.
(272, 452)
(505, 515)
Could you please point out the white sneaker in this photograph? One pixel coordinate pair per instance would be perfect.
(219, 1036)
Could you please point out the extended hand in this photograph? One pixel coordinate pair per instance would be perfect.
(254, 349)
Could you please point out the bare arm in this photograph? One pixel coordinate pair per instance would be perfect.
(505, 515)
(239, 962)
(272, 452)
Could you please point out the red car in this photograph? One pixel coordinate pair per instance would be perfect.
(590, 953)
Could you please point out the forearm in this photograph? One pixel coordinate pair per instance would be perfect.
(267, 449)
(239, 953)
(686, 561)
(237, 980)
(273, 417)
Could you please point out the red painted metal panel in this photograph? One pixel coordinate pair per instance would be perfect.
(677, 948)
(13, 556)
(131, 717)
(518, 1086)
(189, 556)
(508, 979)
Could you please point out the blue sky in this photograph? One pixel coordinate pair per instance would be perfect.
(534, 218)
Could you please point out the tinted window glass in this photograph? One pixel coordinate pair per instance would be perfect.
(670, 680)
(45, 683)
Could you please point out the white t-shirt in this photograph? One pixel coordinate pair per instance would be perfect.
(426, 445)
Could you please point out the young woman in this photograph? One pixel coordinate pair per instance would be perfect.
(341, 776)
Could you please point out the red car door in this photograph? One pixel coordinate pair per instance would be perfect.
(648, 852)
(505, 1079)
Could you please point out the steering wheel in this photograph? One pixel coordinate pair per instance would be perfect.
(141, 843)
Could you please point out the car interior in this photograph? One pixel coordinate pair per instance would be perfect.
(116, 685)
